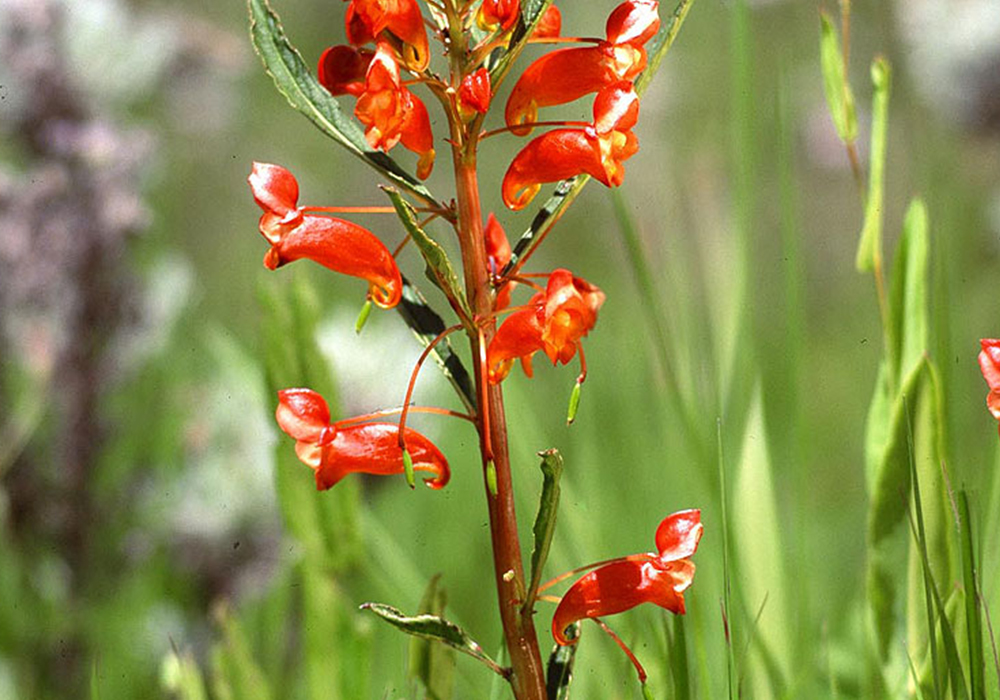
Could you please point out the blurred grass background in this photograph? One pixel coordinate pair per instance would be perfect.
(139, 522)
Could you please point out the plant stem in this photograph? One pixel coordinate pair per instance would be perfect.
(519, 630)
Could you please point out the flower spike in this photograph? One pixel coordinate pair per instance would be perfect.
(498, 13)
(624, 583)
(989, 363)
(336, 244)
(333, 451)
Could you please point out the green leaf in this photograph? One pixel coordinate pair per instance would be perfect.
(908, 297)
(438, 629)
(427, 325)
(870, 245)
(839, 98)
(567, 190)
(236, 674)
(439, 268)
(295, 80)
(677, 653)
(920, 395)
(973, 610)
(433, 664)
(559, 672)
(877, 426)
(545, 519)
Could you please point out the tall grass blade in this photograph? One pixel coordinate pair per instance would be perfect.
(973, 611)
(871, 232)
(677, 653)
(727, 598)
(839, 98)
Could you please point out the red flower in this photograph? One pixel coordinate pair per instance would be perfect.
(624, 583)
(342, 69)
(494, 13)
(334, 243)
(550, 25)
(333, 450)
(391, 113)
(568, 74)
(598, 150)
(498, 254)
(474, 94)
(555, 322)
(367, 19)
(989, 363)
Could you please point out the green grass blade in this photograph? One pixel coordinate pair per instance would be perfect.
(870, 244)
(295, 80)
(908, 301)
(677, 654)
(973, 611)
(727, 598)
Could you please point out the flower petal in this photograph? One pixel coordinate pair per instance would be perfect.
(616, 108)
(565, 75)
(373, 448)
(416, 134)
(553, 156)
(989, 362)
(678, 535)
(621, 585)
(475, 93)
(342, 69)
(494, 13)
(274, 188)
(633, 22)
(550, 25)
(303, 414)
(518, 336)
(346, 248)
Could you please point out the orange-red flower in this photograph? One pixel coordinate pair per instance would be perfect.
(342, 69)
(598, 150)
(391, 113)
(565, 75)
(366, 21)
(554, 322)
(624, 583)
(989, 363)
(498, 13)
(498, 254)
(334, 450)
(475, 93)
(550, 25)
(339, 245)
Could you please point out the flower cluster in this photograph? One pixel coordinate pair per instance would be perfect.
(989, 363)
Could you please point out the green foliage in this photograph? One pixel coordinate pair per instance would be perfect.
(545, 519)
(870, 245)
(433, 663)
(559, 670)
(839, 98)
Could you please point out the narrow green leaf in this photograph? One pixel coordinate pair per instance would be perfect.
(545, 519)
(935, 605)
(95, 684)
(839, 98)
(870, 245)
(427, 325)
(568, 190)
(433, 664)
(295, 80)
(727, 595)
(439, 268)
(878, 425)
(559, 672)
(435, 628)
(908, 297)
(677, 652)
(973, 610)
(647, 694)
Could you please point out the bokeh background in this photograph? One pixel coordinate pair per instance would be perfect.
(142, 543)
